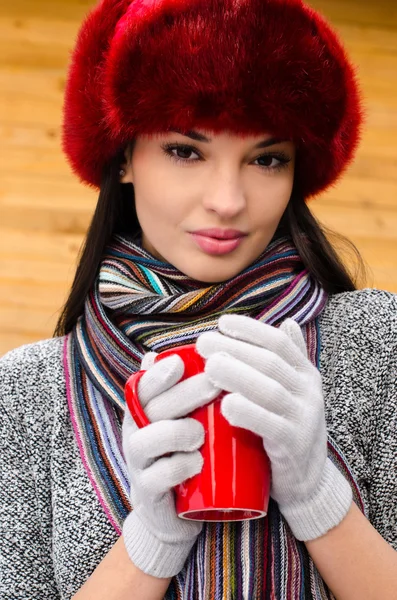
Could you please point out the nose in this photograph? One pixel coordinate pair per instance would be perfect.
(225, 197)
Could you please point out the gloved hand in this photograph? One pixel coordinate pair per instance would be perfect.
(276, 392)
(157, 540)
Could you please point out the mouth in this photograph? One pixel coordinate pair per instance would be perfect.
(217, 241)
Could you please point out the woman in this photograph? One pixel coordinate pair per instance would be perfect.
(207, 125)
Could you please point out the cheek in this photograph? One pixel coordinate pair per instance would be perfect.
(159, 213)
(269, 207)
(161, 200)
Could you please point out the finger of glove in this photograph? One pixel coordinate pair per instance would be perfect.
(266, 336)
(294, 332)
(235, 376)
(129, 425)
(273, 429)
(153, 441)
(182, 399)
(261, 359)
(167, 472)
(162, 376)
(148, 360)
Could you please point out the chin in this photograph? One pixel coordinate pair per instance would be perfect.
(209, 273)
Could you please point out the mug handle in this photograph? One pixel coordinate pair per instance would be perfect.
(132, 399)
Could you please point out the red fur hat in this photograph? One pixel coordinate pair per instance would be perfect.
(247, 66)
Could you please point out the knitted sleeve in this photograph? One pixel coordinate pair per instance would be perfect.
(383, 480)
(25, 553)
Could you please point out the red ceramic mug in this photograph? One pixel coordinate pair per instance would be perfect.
(234, 483)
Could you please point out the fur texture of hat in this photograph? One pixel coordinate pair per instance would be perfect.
(244, 66)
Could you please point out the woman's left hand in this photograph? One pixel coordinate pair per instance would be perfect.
(276, 392)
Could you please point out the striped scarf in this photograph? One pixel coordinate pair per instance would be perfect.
(139, 303)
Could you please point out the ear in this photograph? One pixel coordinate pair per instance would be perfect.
(126, 175)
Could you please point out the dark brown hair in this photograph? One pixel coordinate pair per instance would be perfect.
(115, 213)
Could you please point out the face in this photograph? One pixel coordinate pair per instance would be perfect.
(209, 204)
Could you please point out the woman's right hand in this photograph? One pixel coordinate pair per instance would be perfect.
(159, 457)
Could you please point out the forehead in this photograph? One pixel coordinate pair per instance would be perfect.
(258, 140)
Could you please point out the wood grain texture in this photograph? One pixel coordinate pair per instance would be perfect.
(44, 211)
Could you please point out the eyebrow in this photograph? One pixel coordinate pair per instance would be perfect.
(199, 137)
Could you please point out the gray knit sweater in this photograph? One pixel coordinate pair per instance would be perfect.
(53, 529)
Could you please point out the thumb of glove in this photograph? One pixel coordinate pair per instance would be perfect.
(148, 360)
(294, 332)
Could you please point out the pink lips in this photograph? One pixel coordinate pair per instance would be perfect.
(218, 241)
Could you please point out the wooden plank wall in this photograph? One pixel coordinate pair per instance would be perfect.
(44, 211)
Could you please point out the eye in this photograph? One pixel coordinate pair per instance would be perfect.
(184, 152)
(268, 161)
(274, 161)
(180, 152)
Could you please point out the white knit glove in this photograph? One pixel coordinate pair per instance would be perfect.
(276, 392)
(157, 541)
